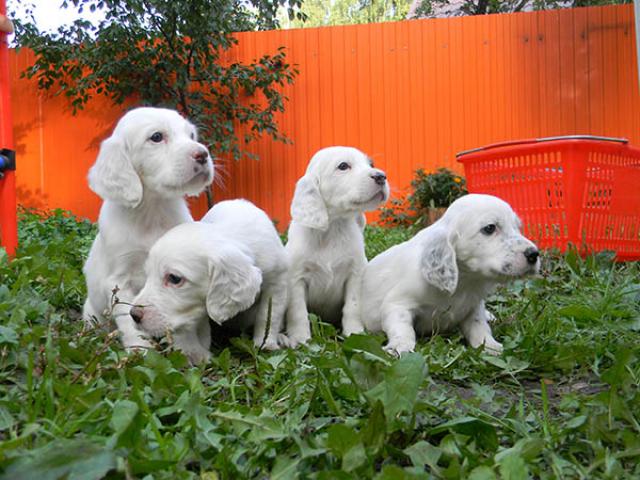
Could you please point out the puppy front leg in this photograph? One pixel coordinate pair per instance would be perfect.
(191, 342)
(477, 331)
(89, 315)
(298, 326)
(204, 334)
(351, 321)
(278, 298)
(397, 323)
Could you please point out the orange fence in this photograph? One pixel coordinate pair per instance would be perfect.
(411, 94)
(8, 220)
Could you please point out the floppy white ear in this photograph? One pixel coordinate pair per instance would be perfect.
(113, 177)
(307, 206)
(438, 262)
(234, 284)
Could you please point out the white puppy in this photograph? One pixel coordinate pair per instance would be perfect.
(326, 244)
(215, 269)
(143, 171)
(439, 279)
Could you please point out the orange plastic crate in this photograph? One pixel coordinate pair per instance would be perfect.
(581, 190)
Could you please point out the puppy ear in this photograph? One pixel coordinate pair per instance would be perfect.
(438, 261)
(234, 284)
(307, 206)
(113, 177)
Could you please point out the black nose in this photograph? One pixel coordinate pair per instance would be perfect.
(136, 313)
(379, 178)
(201, 157)
(532, 255)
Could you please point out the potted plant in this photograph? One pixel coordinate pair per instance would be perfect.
(434, 192)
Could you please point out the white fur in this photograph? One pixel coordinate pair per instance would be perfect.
(326, 244)
(231, 264)
(439, 279)
(143, 183)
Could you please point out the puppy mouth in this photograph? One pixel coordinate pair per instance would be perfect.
(376, 198)
(205, 174)
(199, 180)
(152, 331)
(507, 272)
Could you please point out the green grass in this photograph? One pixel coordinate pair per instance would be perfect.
(562, 402)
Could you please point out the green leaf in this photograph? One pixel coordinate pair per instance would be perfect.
(482, 473)
(6, 420)
(264, 427)
(398, 391)
(618, 373)
(285, 468)
(513, 467)
(8, 335)
(124, 412)
(496, 361)
(527, 448)
(268, 428)
(484, 433)
(576, 422)
(375, 429)
(346, 444)
(71, 459)
(393, 472)
(368, 346)
(423, 453)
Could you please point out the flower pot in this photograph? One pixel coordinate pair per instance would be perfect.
(433, 214)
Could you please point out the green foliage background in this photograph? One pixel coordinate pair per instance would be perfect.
(318, 13)
(562, 402)
(484, 7)
(170, 54)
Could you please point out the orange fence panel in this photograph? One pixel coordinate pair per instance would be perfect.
(411, 94)
(8, 221)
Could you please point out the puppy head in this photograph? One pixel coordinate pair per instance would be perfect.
(478, 234)
(151, 150)
(193, 274)
(339, 181)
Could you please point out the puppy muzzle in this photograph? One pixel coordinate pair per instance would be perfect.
(532, 254)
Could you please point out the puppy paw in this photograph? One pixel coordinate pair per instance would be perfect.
(493, 347)
(352, 329)
(284, 341)
(134, 340)
(397, 349)
(198, 356)
(295, 340)
(137, 345)
(269, 344)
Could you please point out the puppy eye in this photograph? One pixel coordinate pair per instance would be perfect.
(489, 229)
(193, 136)
(173, 279)
(157, 137)
(344, 166)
